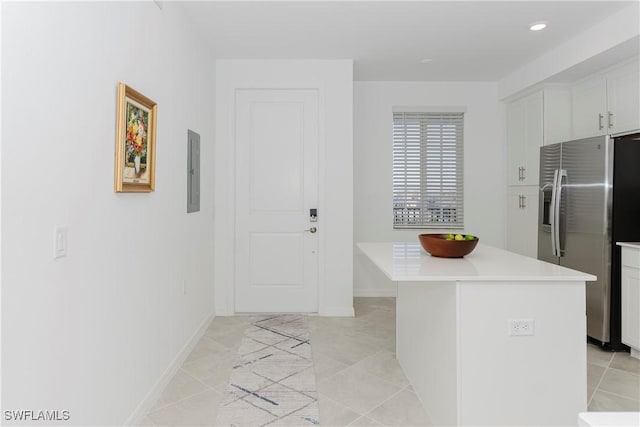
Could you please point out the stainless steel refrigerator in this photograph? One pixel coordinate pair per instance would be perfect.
(589, 200)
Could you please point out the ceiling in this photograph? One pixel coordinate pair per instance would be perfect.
(465, 41)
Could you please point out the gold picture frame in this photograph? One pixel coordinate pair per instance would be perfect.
(135, 167)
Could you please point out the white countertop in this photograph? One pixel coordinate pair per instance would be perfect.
(408, 262)
(609, 419)
(634, 245)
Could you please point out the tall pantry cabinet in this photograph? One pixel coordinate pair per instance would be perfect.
(539, 118)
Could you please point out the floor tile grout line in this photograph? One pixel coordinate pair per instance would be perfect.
(179, 401)
(360, 415)
(165, 406)
(332, 375)
(604, 371)
(366, 372)
(217, 342)
(198, 379)
(624, 371)
(324, 396)
(374, 355)
(382, 403)
(618, 395)
(601, 377)
(348, 365)
(194, 361)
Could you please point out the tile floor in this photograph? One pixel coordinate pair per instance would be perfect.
(358, 378)
(613, 381)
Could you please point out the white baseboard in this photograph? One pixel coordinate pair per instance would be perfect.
(338, 312)
(151, 398)
(385, 292)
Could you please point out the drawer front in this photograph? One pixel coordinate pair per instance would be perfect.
(631, 257)
(631, 307)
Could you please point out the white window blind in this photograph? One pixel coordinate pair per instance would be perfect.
(428, 170)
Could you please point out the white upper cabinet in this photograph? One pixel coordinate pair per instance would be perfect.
(589, 101)
(607, 103)
(541, 118)
(524, 138)
(557, 115)
(623, 98)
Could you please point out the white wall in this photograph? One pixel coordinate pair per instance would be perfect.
(484, 165)
(1, 32)
(334, 81)
(93, 332)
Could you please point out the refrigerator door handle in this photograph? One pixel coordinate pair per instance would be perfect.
(562, 175)
(552, 213)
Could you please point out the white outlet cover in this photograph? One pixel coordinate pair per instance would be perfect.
(521, 327)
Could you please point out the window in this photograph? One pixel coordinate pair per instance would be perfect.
(428, 170)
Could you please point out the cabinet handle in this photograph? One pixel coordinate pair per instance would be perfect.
(610, 119)
(600, 117)
(523, 174)
(520, 173)
(519, 201)
(524, 201)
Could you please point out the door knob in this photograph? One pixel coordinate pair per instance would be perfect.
(312, 230)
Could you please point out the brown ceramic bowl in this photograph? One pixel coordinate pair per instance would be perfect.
(438, 245)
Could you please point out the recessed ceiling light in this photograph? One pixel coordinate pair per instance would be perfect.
(425, 60)
(538, 26)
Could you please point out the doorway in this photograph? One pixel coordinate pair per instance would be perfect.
(276, 175)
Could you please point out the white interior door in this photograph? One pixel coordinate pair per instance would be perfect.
(276, 186)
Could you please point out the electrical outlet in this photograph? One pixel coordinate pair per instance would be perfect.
(521, 327)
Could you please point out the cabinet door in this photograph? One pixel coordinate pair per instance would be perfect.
(515, 142)
(524, 139)
(522, 220)
(533, 138)
(589, 101)
(557, 115)
(630, 306)
(623, 98)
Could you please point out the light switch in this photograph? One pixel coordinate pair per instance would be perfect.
(60, 244)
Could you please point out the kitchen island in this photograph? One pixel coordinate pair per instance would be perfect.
(494, 338)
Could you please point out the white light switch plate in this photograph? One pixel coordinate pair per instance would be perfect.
(60, 242)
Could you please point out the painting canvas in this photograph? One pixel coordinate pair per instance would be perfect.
(135, 141)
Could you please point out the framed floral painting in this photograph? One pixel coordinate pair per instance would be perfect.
(135, 142)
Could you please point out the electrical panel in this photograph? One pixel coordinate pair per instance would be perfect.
(193, 172)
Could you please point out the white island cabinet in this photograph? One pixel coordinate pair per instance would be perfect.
(630, 296)
(493, 338)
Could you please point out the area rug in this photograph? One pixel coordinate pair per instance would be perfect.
(273, 380)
